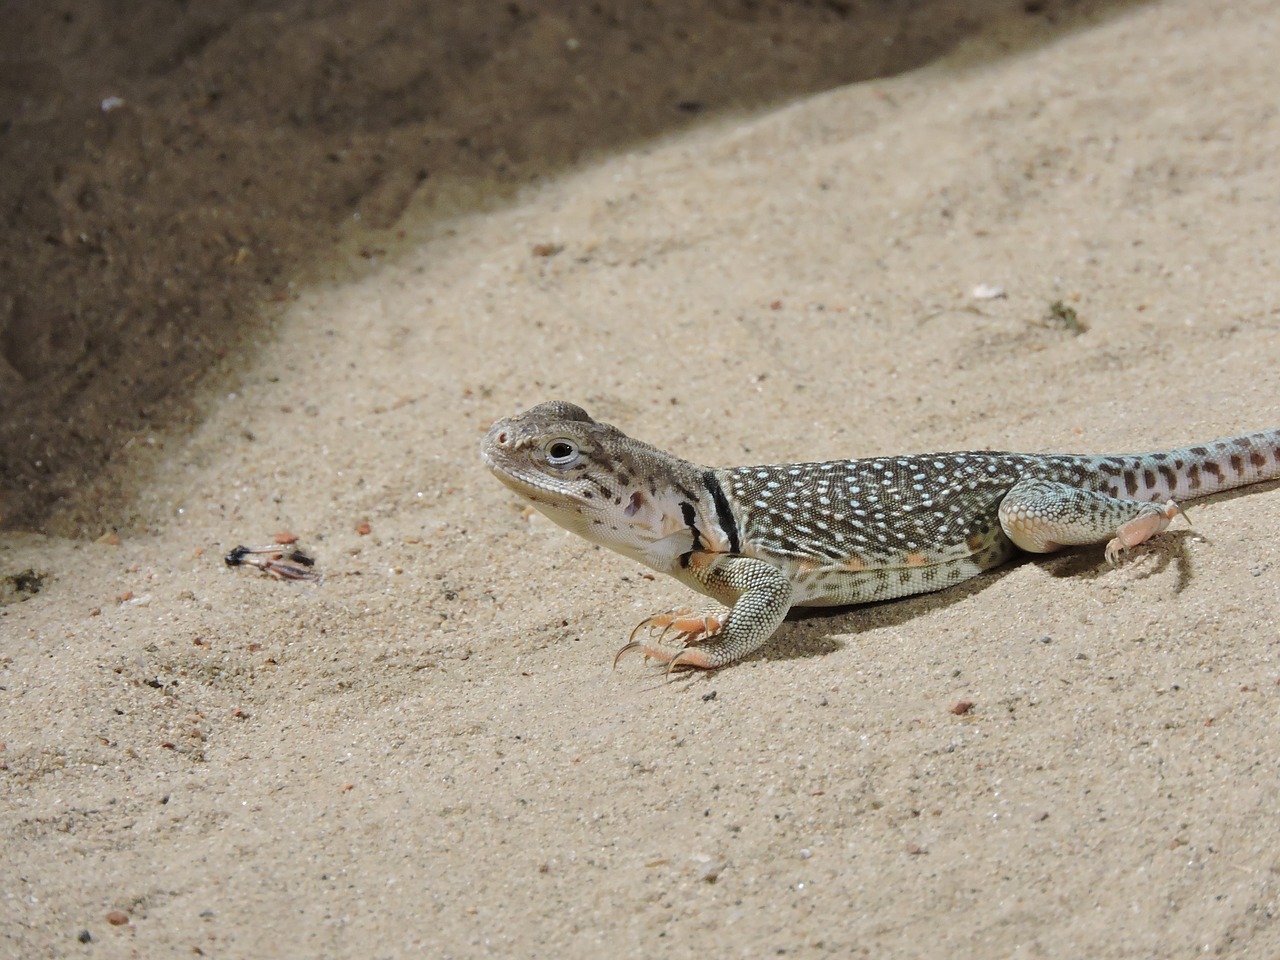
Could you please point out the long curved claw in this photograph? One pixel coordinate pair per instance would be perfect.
(628, 647)
(631, 638)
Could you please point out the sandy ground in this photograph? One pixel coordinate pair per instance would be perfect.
(427, 753)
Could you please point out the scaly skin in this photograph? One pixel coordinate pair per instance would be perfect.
(760, 540)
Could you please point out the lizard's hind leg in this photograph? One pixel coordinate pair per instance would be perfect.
(1041, 515)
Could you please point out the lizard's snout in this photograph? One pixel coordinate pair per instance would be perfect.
(496, 443)
(499, 436)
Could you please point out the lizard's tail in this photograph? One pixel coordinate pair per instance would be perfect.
(1200, 470)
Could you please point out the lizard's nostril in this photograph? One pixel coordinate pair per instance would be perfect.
(502, 437)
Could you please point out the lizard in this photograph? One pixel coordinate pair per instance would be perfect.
(760, 540)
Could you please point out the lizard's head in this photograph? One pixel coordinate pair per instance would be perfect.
(592, 479)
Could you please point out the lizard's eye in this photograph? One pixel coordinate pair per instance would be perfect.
(562, 453)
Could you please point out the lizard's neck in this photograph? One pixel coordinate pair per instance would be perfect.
(673, 512)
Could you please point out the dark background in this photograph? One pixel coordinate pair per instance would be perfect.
(145, 249)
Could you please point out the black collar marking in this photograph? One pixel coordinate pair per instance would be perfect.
(691, 521)
(724, 516)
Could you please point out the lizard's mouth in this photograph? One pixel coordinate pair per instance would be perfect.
(531, 483)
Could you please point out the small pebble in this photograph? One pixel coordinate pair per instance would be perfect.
(708, 869)
(117, 918)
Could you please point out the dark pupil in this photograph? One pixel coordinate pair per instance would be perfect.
(561, 451)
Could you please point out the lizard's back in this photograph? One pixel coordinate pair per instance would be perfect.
(851, 531)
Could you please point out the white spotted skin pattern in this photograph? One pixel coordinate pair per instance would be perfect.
(854, 531)
(846, 531)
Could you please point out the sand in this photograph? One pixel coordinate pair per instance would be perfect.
(427, 753)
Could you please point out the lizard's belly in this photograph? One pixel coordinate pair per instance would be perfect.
(839, 585)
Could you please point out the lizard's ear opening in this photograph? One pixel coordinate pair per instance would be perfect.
(561, 452)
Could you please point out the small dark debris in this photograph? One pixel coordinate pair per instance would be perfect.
(1061, 315)
(961, 707)
(547, 249)
(708, 697)
(84, 936)
(279, 560)
(28, 581)
(20, 586)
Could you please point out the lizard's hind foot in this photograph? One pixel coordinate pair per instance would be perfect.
(1140, 529)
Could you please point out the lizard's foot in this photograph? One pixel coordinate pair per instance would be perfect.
(1140, 529)
(690, 629)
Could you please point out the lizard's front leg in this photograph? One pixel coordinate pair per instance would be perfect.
(758, 595)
